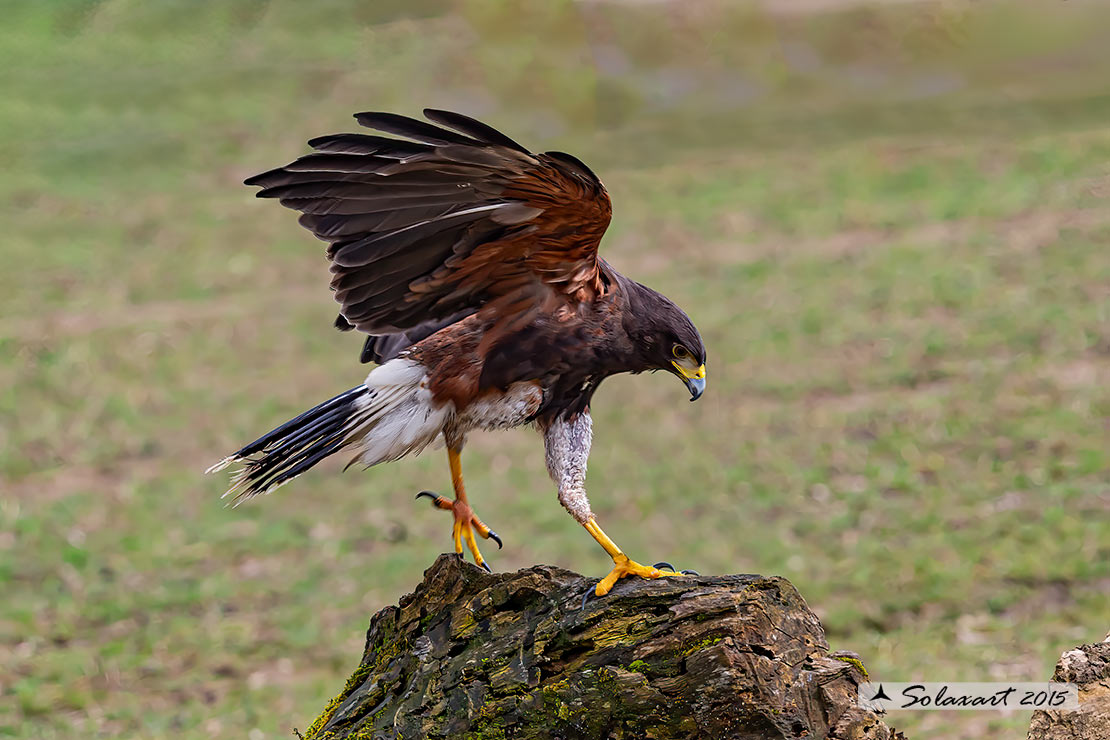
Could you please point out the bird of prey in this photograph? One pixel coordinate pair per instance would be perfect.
(473, 266)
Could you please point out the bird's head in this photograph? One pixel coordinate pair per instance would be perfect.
(665, 338)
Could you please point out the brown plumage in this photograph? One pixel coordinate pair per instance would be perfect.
(420, 231)
(472, 264)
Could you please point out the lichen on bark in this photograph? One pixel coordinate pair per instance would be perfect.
(515, 655)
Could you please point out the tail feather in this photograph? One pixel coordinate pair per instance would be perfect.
(282, 454)
(391, 415)
(313, 414)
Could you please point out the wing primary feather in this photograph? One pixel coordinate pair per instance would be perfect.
(476, 129)
(345, 163)
(334, 228)
(369, 199)
(263, 177)
(323, 206)
(392, 123)
(282, 176)
(367, 144)
(364, 251)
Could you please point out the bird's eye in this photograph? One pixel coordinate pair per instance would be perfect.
(680, 352)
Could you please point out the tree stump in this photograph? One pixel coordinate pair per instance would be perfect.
(1089, 667)
(516, 655)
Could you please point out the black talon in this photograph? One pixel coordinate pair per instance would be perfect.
(430, 495)
(690, 573)
(664, 564)
(585, 598)
(486, 566)
(493, 536)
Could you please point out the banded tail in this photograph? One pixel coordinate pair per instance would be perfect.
(386, 418)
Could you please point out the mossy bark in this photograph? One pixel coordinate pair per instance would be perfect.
(514, 655)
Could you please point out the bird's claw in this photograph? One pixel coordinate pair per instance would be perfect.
(438, 502)
(466, 523)
(664, 565)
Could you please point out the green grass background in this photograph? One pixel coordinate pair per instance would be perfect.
(889, 222)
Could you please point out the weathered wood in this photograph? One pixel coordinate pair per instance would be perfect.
(1088, 666)
(514, 655)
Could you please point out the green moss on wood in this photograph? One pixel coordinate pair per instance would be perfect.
(491, 671)
(357, 678)
(852, 661)
(701, 645)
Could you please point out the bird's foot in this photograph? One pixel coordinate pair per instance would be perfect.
(466, 523)
(632, 568)
(623, 566)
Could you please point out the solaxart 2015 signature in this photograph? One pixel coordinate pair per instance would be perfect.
(982, 696)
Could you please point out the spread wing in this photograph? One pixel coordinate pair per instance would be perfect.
(444, 221)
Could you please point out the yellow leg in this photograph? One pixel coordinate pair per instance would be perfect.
(622, 565)
(466, 521)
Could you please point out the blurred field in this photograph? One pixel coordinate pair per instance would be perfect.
(889, 222)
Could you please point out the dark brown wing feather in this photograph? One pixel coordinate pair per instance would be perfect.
(446, 222)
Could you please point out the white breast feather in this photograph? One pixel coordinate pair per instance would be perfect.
(502, 411)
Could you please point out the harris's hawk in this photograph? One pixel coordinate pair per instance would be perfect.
(472, 265)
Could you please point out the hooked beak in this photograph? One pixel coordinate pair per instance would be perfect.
(694, 380)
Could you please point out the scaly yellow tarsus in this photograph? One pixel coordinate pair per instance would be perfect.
(622, 565)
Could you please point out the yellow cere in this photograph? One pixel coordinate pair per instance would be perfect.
(687, 372)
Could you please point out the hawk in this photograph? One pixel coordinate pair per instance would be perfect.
(473, 266)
